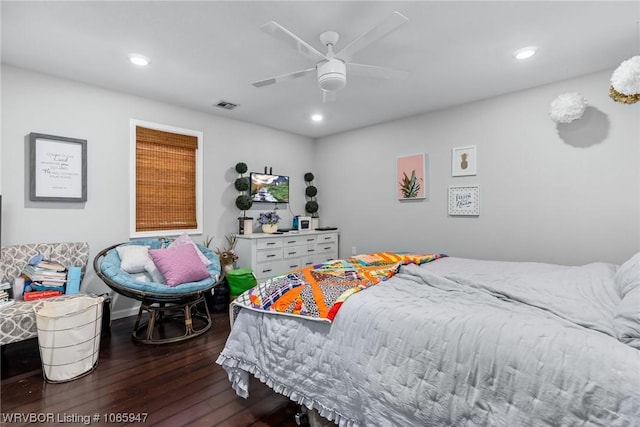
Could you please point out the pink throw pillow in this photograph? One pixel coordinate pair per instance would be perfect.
(179, 264)
(184, 239)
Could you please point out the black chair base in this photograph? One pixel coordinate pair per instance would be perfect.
(190, 316)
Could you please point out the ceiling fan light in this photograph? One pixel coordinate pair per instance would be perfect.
(332, 75)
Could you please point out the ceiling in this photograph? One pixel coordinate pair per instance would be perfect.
(204, 52)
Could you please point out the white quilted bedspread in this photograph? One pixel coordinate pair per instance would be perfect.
(454, 342)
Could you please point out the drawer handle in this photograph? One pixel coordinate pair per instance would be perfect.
(310, 240)
(291, 241)
(293, 266)
(292, 253)
(271, 243)
(311, 250)
(308, 263)
(327, 238)
(266, 271)
(328, 247)
(271, 256)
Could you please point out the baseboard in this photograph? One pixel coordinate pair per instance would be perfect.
(120, 314)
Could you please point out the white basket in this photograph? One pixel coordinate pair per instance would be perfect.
(69, 336)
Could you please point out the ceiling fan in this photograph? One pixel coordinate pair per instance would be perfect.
(332, 68)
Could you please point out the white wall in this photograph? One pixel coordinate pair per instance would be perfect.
(550, 193)
(33, 102)
(567, 194)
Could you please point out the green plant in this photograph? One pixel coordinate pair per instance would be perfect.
(241, 168)
(410, 187)
(242, 183)
(312, 207)
(243, 202)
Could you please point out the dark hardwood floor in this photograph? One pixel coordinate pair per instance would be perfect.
(174, 384)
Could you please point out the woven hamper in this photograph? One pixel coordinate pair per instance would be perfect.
(69, 336)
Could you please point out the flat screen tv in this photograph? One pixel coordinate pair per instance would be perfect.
(269, 188)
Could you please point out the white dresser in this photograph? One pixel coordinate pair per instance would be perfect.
(274, 254)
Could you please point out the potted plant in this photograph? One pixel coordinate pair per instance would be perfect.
(312, 205)
(243, 201)
(269, 221)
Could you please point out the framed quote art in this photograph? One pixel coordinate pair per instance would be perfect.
(58, 168)
(464, 200)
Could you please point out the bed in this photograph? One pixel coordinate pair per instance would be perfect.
(459, 342)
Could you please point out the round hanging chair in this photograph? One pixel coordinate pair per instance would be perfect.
(183, 306)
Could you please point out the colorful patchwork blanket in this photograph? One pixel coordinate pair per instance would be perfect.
(317, 292)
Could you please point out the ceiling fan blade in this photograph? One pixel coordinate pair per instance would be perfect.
(382, 29)
(305, 49)
(328, 96)
(283, 77)
(375, 71)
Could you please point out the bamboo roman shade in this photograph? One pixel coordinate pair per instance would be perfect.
(165, 180)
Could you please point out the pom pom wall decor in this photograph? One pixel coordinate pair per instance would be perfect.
(567, 107)
(625, 82)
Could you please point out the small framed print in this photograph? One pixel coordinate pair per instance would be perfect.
(412, 177)
(58, 168)
(464, 200)
(463, 161)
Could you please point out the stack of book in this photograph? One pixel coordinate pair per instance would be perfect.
(47, 279)
(5, 295)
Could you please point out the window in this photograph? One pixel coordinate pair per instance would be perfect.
(166, 180)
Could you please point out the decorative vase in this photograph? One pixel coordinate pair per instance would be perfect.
(269, 228)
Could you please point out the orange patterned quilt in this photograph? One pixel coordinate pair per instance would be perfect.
(317, 292)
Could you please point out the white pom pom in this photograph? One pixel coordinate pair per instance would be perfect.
(567, 107)
(626, 78)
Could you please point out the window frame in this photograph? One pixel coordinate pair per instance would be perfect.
(133, 233)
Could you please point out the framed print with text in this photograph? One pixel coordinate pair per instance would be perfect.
(464, 200)
(58, 168)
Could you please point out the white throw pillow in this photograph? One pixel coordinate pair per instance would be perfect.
(133, 258)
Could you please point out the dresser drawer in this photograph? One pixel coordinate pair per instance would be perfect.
(299, 240)
(307, 261)
(268, 269)
(294, 251)
(269, 243)
(291, 264)
(269, 255)
(322, 248)
(326, 238)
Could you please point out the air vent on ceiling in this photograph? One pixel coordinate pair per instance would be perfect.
(226, 105)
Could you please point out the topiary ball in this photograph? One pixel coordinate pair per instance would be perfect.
(242, 184)
(308, 177)
(243, 202)
(241, 167)
(311, 191)
(311, 206)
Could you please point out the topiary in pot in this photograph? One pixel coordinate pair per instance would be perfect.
(310, 192)
(243, 201)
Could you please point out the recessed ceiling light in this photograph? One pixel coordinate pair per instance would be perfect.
(525, 52)
(139, 60)
(317, 117)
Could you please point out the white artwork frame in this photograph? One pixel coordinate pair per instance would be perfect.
(464, 161)
(464, 200)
